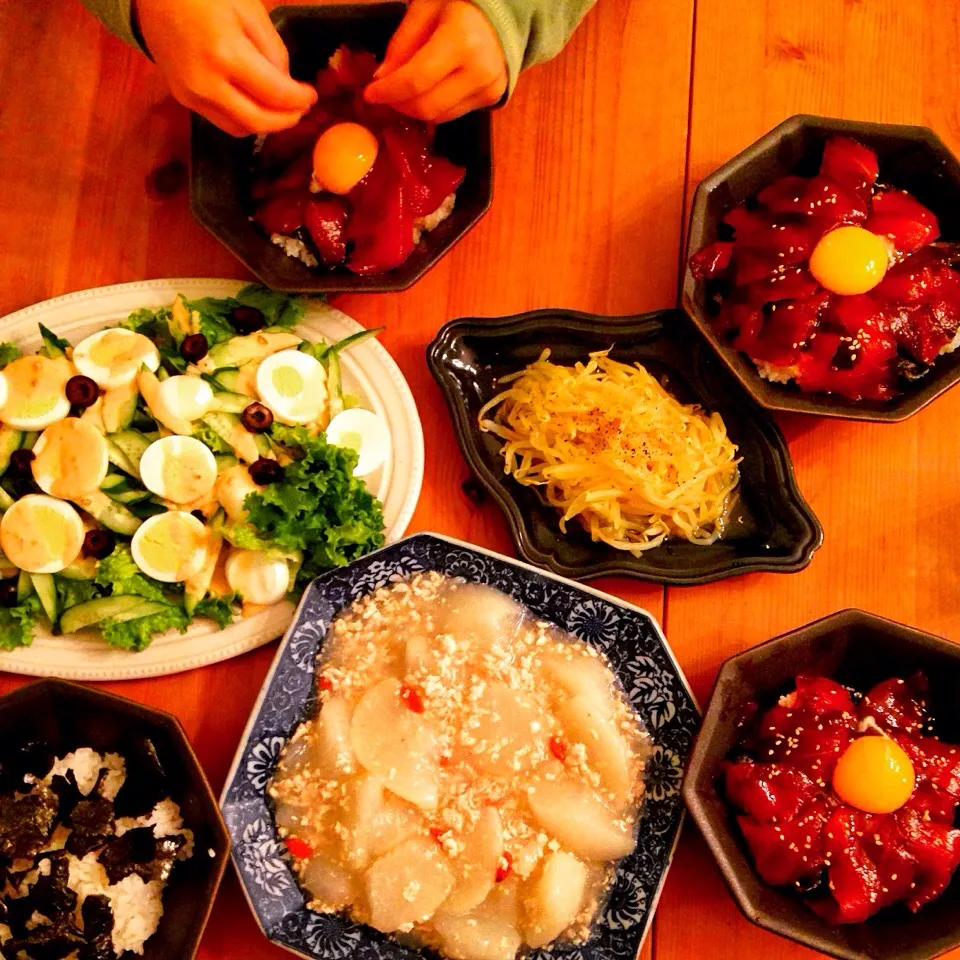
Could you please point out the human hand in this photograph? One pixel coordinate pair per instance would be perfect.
(225, 60)
(444, 61)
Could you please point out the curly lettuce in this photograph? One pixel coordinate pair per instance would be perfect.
(17, 623)
(319, 507)
(8, 353)
(137, 634)
(121, 574)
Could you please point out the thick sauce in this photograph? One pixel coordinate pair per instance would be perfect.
(471, 777)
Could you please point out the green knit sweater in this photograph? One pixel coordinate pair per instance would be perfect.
(531, 31)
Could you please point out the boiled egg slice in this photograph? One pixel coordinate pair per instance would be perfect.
(36, 392)
(365, 432)
(257, 577)
(342, 157)
(189, 398)
(113, 358)
(179, 469)
(293, 385)
(41, 534)
(70, 459)
(3, 390)
(170, 547)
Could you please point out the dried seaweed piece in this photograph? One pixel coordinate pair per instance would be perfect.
(97, 929)
(145, 785)
(68, 793)
(43, 943)
(134, 852)
(91, 821)
(26, 821)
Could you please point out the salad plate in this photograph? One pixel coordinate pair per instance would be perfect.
(369, 374)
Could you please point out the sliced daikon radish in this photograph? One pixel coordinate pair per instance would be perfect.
(295, 757)
(394, 742)
(582, 676)
(477, 863)
(476, 938)
(575, 816)
(407, 884)
(483, 612)
(418, 655)
(555, 898)
(505, 728)
(331, 754)
(526, 857)
(607, 751)
(381, 821)
(327, 882)
(288, 816)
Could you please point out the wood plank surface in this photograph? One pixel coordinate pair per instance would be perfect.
(590, 162)
(884, 493)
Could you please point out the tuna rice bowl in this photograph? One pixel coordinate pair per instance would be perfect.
(88, 843)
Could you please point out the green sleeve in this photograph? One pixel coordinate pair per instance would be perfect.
(117, 17)
(532, 31)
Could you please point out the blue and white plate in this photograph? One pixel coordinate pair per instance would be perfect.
(632, 642)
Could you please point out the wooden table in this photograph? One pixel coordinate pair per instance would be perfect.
(597, 158)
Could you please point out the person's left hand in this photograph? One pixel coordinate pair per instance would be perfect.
(444, 61)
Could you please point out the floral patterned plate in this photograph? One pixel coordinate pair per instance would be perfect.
(627, 635)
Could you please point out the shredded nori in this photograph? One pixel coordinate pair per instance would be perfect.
(97, 929)
(26, 821)
(146, 783)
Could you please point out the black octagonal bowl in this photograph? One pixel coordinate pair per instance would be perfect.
(771, 528)
(63, 717)
(220, 164)
(857, 649)
(911, 158)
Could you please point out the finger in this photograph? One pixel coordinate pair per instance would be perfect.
(220, 119)
(442, 98)
(256, 76)
(252, 116)
(415, 29)
(432, 63)
(260, 29)
(485, 98)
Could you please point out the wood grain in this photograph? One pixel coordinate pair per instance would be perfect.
(590, 161)
(884, 493)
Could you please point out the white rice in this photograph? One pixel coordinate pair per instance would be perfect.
(954, 344)
(293, 247)
(774, 373)
(137, 905)
(433, 220)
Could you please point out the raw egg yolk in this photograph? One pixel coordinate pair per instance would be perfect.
(849, 260)
(343, 156)
(875, 775)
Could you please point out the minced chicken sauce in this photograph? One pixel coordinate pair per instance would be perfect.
(471, 778)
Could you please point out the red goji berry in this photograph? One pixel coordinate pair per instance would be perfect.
(298, 848)
(558, 748)
(504, 867)
(412, 698)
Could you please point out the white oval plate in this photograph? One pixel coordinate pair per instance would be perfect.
(369, 373)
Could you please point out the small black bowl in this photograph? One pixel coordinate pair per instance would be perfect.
(220, 164)
(64, 716)
(912, 158)
(772, 527)
(857, 649)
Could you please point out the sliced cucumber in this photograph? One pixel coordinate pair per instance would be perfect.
(120, 407)
(113, 516)
(334, 384)
(227, 378)
(10, 440)
(237, 351)
(46, 589)
(227, 402)
(119, 609)
(353, 340)
(119, 488)
(83, 568)
(30, 440)
(228, 427)
(120, 460)
(225, 461)
(6, 501)
(143, 509)
(133, 444)
(53, 346)
(24, 586)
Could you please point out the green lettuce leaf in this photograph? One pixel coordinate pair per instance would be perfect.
(218, 609)
(279, 309)
(151, 323)
(137, 634)
(211, 438)
(8, 353)
(241, 535)
(319, 507)
(72, 592)
(17, 623)
(123, 576)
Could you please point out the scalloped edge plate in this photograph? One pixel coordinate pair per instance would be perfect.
(368, 371)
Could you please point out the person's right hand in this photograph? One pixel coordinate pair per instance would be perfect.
(225, 60)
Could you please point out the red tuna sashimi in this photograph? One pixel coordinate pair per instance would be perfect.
(903, 219)
(936, 849)
(819, 197)
(794, 283)
(898, 704)
(790, 851)
(326, 220)
(381, 226)
(286, 145)
(295, 177)
(711, 260)
(851, 164)
(427, 179)
(282, 213)
(787, 328)
(767, 252)
(768, 791)
(348, 70)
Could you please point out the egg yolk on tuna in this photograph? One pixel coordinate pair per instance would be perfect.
(34, 385)
(343, 156)
(849, 260)
(874, 774)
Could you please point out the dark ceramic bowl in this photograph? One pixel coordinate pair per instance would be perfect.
(912, 158)
(858, 649)
(64, 716)
(220, 164)
(633, 644)
(771, 528)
